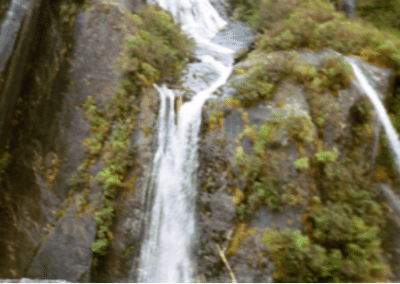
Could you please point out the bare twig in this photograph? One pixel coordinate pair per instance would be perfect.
(222, 255)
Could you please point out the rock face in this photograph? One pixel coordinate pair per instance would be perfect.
(19, 18)
(220, 180)
(67, 251)
(47, 73)
(46, 147)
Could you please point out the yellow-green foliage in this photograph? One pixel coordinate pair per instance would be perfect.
(159, 48)
(261, 170)
(315, 24)
(395, 111)
(67, 13)
(342, 242)
(300, 128)
(327, 156)
(301, 163)
(296, 259)
(261, 82)
(384, 14)
(261, 14)
(216, 120)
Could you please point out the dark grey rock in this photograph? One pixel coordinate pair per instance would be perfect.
(17, 33)
(66, 253)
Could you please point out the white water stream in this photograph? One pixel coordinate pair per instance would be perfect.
(167, 252)
(382, 114)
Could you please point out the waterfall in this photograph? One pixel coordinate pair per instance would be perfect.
(167, 252)
(380, 109)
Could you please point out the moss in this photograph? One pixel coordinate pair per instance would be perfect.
(301, 163)
(327, 156)
(300, 128)
(216, 120)
(128, 251)
(261, 172)
(147, 131)
(261, 82)
(67, 13)
(296, 258)
(237, 239)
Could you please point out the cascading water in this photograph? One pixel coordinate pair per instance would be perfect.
(166, 254)
(380, 109)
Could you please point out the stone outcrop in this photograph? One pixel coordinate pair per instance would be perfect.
(217, 176)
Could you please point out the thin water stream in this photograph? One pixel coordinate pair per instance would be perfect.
(382, 114)
(167, 252)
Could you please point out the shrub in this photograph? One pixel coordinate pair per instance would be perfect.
(327, 156)
(336, 73)
(316, 25)
(301, 163)
(262, 80)
(341, 248)
(296, 259)
(300, 128)
(159, 48)
(346, 235)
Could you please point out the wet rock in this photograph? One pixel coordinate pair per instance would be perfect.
(18, 30)
(236, 36)
(47, 141)
(133, 5)
(222, 7)
(67, 251)
(222, 208)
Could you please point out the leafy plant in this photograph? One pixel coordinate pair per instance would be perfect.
(158, 50)
(301, 163)
(327, 156)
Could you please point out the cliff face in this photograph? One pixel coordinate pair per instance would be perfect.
(49, 69)
(228, 135)
(71, 58)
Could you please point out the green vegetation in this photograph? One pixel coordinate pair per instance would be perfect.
(158, 50)
(341, 241)
(261, 169)
(67, 13)
(301, 163)
(383, 14)
(128, 251)
(216, 120)
(326, 157)
(300, 128)
(261, 83)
